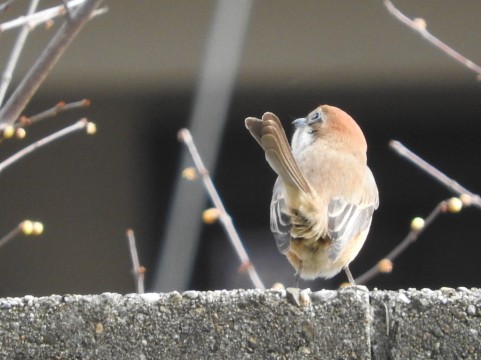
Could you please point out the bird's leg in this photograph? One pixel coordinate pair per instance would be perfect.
(349, 275)
(298, 275)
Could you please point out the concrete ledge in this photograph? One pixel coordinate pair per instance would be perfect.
(426, 324)
(245, 324)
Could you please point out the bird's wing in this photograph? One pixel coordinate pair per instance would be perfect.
(280, 221)
(291, 187)
(347, 218)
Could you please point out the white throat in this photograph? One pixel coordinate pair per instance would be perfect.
(301, 139)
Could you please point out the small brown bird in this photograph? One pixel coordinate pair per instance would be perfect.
(325, 194)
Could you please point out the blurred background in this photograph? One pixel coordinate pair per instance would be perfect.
(144, 66)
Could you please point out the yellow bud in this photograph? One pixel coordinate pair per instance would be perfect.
(211, 215)
(20, 133)
(455, 205)
(385, 266)
(189, 173)
(37, 228)
(8, 131)
(417, 223)
(91, 128)
(345, 284)
(26, 227)
(420, 23)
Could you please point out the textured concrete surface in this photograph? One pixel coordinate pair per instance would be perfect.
(245, 324)
(426, 324)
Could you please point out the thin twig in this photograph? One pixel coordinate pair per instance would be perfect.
(186, 137)
(39, 17)
(419, 25)
(26, 227)
(79, 125)
(48, 20)
(466, 196)
(138, 271)
(44, 64)
(404, 244)
(58, 108)
(451, 184)
(10, 236)
(17, 49)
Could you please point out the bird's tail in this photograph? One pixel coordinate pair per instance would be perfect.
(270, 134)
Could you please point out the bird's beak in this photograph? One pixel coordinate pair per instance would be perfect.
(299, 122)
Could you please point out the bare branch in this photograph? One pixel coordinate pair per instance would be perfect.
(58, 108)
(42, 67)
(34, 19)
(419, 25)
(79, 125)
(26, 227)
(48, 18)
(138, 271)
(468, 197)
(10, 235)
(17, 49)
(418, 225)
(186, 137)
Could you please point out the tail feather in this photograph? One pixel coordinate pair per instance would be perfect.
(270, 134)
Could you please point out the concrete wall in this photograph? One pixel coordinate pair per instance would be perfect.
(352, 323)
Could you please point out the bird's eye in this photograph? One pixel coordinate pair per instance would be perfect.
(316, 117)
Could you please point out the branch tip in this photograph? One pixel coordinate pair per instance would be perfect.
(25, 120)
(183, 135)
(419, 25)
(61, 106)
